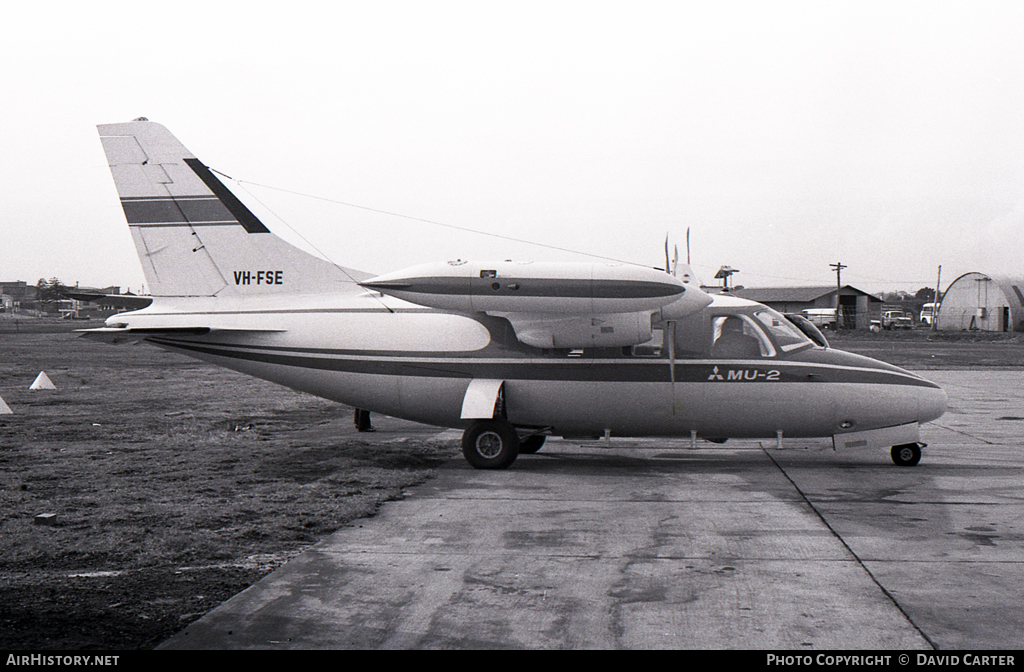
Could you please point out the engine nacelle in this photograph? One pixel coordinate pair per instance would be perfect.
(595, 331)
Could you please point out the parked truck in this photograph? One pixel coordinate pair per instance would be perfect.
(928, 313)
(823, 318)
(896, 319)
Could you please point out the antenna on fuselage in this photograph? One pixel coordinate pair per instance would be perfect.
(672, 265)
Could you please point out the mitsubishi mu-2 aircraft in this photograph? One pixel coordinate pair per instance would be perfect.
(510, 352)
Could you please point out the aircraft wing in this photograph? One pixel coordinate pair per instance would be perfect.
(552, 305)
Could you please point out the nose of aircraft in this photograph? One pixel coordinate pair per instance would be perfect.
(931, 403)
(887, 395)
(921, 395)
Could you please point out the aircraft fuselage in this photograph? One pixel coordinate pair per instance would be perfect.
(417, 363)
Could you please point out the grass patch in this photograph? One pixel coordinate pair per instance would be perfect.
(175, 486)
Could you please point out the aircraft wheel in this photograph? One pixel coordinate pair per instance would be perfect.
(531, 444)
(906, 455)
(490, 444)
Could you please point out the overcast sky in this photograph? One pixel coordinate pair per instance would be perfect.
(786, 136)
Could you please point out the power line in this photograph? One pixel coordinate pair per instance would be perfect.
(504, 237)
(435, 223)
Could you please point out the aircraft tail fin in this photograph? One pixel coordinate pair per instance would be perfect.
(193, 236)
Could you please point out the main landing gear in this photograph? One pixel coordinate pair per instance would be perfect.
(907, 455)
(490, 444)
(531, 444)
(494, 444)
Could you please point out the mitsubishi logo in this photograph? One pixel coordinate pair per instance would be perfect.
(715, 375)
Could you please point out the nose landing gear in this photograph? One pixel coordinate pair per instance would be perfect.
(907, 454)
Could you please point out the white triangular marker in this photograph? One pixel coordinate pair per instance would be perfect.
(43, 382)
(4, 408)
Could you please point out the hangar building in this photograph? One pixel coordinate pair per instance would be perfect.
(980, 302)
(857, 306)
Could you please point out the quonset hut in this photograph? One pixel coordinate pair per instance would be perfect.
(980, 302)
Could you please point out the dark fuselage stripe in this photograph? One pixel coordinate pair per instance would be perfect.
(563, 368)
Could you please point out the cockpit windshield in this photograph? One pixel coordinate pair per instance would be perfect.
(782, 330)
(733, 332)
(738, 337)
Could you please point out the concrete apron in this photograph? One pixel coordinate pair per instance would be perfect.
(650, 544)
(582, 547)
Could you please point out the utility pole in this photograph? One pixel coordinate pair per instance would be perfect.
(838, 267)
(935, 301)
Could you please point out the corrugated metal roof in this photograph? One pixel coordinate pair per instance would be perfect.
(1012, 288)
(794, 294)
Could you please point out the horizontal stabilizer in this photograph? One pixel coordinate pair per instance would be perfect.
(129, 301)
(120, 335)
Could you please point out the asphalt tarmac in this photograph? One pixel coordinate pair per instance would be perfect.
(643, 544)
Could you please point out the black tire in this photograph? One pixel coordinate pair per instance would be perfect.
(490, 444)
(531, 444)
(906, 455)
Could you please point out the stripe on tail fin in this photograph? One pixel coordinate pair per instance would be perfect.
(193, 236)
(241, 213)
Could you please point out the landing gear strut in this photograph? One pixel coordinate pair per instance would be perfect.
(490, 444)
(907, 455)
(531, 444)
